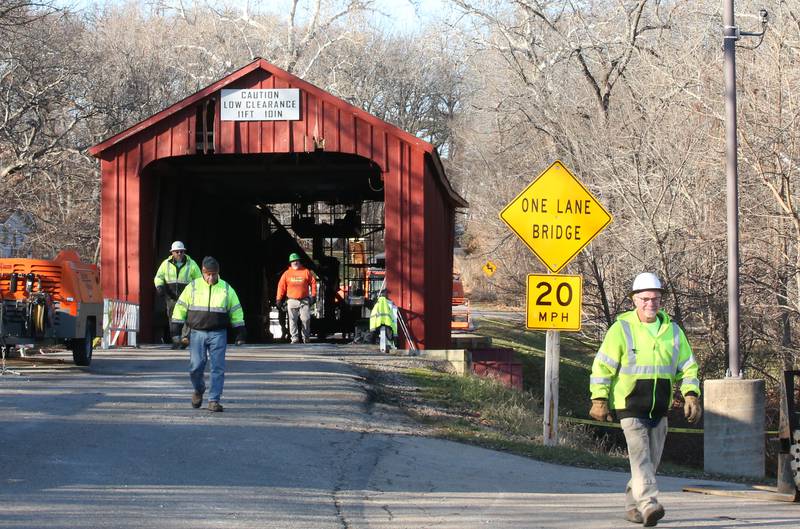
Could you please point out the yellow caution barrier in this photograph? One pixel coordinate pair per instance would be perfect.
(592, 422)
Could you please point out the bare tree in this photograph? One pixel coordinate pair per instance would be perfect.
(43, 104)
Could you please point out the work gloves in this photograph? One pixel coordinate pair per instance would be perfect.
(600, 411)
(692, 409)
(165, 292)
(241, 335)
(281, 304)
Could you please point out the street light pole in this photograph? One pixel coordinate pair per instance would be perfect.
(733, 428)
(730, 36)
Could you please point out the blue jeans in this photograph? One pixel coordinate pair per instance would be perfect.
(205, 345)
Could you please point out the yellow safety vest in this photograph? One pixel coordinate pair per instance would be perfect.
(382, 314)
(636, 371)
(170, 273)
(208, 307)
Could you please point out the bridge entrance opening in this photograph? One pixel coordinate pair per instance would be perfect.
(250, 211)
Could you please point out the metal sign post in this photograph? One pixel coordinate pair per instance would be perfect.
(556, 216)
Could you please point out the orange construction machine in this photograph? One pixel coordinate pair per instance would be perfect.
(462, 315)
(51, 302)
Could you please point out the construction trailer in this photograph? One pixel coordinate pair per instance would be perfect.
(50, 302)
(251, 191)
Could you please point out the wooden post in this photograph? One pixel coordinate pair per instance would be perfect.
(551, 361)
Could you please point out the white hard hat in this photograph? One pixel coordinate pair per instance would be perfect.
(177, 245)
(646, 281)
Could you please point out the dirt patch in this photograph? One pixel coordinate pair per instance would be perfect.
(387, 383)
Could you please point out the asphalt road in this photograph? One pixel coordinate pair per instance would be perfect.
(299, 445)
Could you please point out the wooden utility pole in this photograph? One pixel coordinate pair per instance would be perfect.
(552, 357)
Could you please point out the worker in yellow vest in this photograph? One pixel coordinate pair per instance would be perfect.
(172, 276)
(641, 358)
(208, 306)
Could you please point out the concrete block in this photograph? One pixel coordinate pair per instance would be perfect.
(459, 358)
(733, 440)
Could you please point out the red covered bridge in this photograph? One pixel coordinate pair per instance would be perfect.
(193, 174)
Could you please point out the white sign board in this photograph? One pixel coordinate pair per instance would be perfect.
(252, 104)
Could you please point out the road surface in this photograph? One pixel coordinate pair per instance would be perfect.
(300, 445)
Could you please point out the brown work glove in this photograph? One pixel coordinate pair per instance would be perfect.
(599, 411)
(692, 409)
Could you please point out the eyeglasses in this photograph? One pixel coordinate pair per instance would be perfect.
(656, 299)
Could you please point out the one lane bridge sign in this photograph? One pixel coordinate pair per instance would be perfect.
(556, 216)
(554, 302)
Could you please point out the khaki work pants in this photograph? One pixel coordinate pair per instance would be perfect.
(645, 446)
(299, 309)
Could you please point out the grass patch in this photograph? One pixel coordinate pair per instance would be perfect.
(485, 413)
(574, 368)
(483, 399)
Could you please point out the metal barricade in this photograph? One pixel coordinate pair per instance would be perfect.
(119, 317)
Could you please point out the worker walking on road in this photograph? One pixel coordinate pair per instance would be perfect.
(208, 306)
(383, 320)
(300, 287)
(175, 272)
(642, 355)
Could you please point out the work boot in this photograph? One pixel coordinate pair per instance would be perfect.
(652, 514)
(197, 399)
(633, 516)
(214, 406)
(295, 340)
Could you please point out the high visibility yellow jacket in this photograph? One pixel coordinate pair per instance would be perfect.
(208, 307)
(636, 371)
(175, 276)
(382, 314)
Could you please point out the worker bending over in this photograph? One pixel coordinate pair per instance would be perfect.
(208, 305)
(300, 287)
(175, 272)
(642, 356)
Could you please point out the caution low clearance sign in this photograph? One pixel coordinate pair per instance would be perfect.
(556, 216)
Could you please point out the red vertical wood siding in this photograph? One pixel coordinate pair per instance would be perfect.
(419, 214)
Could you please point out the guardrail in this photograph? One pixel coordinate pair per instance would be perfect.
(120, 319)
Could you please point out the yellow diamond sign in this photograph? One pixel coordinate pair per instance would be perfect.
(489, 269)
(556, 216)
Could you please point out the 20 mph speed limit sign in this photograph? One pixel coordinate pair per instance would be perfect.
(554, 302)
